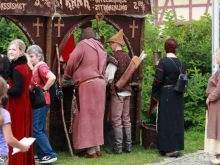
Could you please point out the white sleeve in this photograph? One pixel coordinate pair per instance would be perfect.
(110, 73)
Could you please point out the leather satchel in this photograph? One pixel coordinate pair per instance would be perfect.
(56, 93)
(181, 84)
(182, 81)
(37, 96)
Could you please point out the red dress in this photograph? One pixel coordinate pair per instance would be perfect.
(21, 113)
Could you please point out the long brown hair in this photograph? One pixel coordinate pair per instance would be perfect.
(3, 93)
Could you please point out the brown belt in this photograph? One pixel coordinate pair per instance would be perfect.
(80, 85)
(167, 86)
(87, 81)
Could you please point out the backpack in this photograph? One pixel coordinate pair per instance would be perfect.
(182, 81)
(56, 93)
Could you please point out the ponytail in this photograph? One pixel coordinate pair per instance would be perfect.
(28, 61)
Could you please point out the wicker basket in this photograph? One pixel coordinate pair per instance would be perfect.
(149, 135)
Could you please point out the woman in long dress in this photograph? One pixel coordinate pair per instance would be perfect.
(170, 123)
(212, 133)
(19, 104)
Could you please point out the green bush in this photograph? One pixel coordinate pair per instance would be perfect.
(194, 112)
(9, 31)
(194, 48)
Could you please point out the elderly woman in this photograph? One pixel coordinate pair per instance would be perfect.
(18, 104)
(212, 136)
(41, 72)
(170, 123)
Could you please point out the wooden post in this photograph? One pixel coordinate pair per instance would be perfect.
(48, 55)
(139, 93)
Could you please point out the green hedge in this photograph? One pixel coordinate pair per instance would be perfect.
(194, 48)
(9, 31)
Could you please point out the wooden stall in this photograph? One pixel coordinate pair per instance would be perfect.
(48, 23)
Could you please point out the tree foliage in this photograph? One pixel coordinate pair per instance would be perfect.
(194, 48)
(9, 31)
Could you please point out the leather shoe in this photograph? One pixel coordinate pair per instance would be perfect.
(86, 155)
(91, 155)
(215, 161)
(98, 153)
(175, 154)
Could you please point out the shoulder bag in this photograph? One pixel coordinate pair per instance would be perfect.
(182, 81)
(56, 93)
(37, 96)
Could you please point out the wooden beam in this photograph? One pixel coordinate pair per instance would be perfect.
(139, 93)
(48, 55)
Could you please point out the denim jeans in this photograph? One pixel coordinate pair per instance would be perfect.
(39, 129)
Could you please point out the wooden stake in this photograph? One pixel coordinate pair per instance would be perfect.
(62, 111)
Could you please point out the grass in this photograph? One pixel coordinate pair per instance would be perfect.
(139, 156)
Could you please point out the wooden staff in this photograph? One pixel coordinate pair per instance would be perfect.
(62, 111)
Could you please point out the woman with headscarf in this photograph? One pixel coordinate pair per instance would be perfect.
(86, 67)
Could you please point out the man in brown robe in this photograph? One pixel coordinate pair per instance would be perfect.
(86, 67)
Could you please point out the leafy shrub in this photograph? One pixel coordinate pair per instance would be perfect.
(194, 48)
(194, 112)
(9, 31)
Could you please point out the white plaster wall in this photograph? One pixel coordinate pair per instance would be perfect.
(197, 12)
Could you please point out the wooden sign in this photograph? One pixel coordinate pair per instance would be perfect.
(92, 7)
(75, 7)
(26, 7)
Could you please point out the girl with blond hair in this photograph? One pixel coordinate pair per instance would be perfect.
(19, 104)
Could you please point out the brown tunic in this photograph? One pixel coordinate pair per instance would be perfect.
(213, 92)
(122, 60)
(87, 61)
